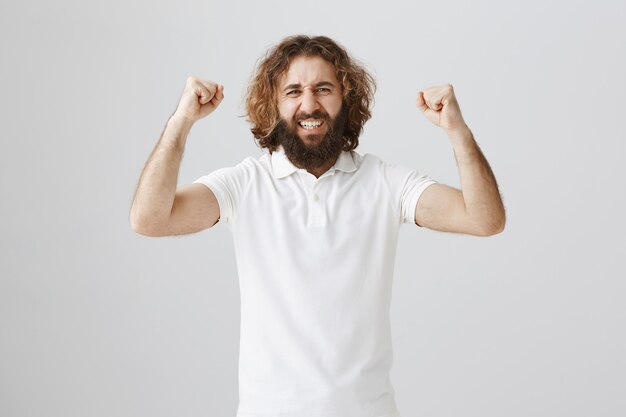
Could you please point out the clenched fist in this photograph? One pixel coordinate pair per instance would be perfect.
(199, 99)
(439, 105)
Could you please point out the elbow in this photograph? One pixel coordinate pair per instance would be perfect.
(493, 226)
(143, 227)
(145, 231)
(136, 223)
(137, 227)
(496, 228)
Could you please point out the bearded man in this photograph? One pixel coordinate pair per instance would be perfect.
(315, 225)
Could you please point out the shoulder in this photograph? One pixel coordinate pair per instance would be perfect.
(238, 174)
(371, 162)
(366, 161)
(256, 161)
(395, 175)
(250, 165)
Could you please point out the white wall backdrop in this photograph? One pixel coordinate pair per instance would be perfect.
(98, 321)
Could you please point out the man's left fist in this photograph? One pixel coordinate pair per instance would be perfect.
(439, 105)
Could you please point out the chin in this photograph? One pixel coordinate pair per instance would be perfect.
(311, 140)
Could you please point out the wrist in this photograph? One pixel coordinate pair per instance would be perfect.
(181, 120)
(176, 131)
(463, 143)
(459, 132)
(460, 136)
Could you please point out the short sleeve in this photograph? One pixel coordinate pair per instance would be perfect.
(406, 186)
(228, 185)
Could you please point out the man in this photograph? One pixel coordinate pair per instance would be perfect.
(315, 226)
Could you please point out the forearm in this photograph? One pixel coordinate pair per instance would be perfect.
(156, 189)
(483, 203)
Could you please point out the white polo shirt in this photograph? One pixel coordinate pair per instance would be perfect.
(315, 258)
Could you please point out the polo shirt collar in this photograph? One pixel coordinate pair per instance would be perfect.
(282, 166)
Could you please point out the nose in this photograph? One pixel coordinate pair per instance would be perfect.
(309, 101)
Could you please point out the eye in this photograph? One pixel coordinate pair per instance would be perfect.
(293, 93)
(323, 90)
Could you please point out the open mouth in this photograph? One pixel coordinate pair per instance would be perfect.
(311, 124)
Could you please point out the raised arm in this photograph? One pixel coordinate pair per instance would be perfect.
(158, 208)
(477, 208)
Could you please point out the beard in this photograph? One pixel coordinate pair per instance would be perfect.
(310, 156)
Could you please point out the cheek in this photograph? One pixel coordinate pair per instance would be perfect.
(286, 110)
(334, 107)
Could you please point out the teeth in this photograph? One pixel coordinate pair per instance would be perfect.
(310, 125)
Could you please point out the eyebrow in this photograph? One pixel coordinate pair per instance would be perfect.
(320, 84)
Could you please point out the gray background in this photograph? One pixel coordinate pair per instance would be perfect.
(98, 321)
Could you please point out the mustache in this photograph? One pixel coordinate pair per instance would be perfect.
(317, 114)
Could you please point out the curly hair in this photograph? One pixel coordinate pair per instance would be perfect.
(358, 87)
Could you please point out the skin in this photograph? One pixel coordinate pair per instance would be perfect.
(160, 209)
(310, 85)
(477, 209)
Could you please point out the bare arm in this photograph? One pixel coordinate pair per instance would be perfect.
(158, 208)
(477, 209)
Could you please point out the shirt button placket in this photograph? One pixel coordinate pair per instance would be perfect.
(317, 206)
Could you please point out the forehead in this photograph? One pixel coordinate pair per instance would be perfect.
(306, 70)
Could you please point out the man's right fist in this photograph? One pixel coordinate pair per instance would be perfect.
(199, 99)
